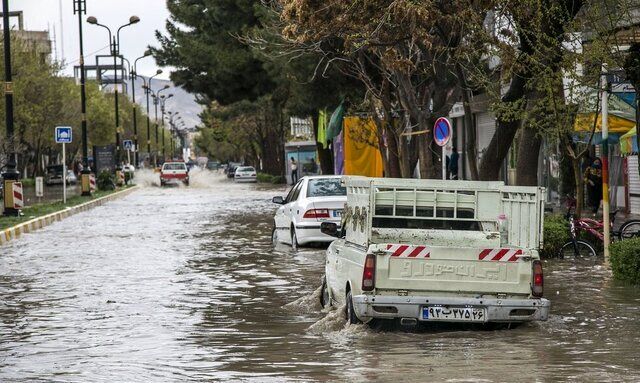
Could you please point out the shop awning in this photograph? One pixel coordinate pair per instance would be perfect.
(629, 142)
(622, 116)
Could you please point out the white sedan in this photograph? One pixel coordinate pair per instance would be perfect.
(310, 202)
(245, 174)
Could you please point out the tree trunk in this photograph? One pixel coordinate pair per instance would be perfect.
(528, 155)
(506, 130)
(579, 186)
(393, 157)
(471, 148)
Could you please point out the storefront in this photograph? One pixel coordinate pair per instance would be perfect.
(304, 155)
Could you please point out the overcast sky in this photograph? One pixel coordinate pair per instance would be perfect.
(46, 15)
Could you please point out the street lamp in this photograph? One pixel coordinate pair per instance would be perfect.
(11, 175)
(134, 75)
(173, 118)
(163, 99)
(114, 42)
(148, 91)
(156, 96)
(80, 8)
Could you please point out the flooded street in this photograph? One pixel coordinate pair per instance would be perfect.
(183, 284)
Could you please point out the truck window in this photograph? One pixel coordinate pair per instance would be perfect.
(425, 224)
(325, 187)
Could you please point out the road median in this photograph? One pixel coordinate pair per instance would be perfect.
(42, 215)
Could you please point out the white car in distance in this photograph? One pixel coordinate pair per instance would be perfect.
(310, 202)
(245, 174)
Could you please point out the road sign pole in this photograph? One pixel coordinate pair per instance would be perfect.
(605, 169)
(64, 173)
(444, 162)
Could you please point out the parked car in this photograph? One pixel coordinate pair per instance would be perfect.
(231, 169)
(213, 165)
(437, 251)
(310, 202)
(53, 175)
(245, 174)
(71, 178)
(174, 172)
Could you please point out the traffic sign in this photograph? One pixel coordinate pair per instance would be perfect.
(442, 131)
(127, 144)
(64, 135)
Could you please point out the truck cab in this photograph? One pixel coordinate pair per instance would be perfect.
(437, 251)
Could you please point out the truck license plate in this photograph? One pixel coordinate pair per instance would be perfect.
(449, 313)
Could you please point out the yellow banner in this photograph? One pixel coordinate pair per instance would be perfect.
(361, 154)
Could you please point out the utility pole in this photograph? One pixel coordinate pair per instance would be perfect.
(134, 75)
(11, 175)
(605, 166)
(114, 41)
(80, 8)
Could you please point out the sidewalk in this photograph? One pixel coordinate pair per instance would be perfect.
(39, 216)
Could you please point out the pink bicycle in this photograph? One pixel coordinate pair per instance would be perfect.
(581, 248)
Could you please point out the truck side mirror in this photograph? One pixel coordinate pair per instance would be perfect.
(279, 200)
(330, 229)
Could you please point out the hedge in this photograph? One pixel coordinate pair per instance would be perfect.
(556, 234)
(625, 260)
(269, 179)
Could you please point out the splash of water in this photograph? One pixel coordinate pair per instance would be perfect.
(307, 304)
(198, 178)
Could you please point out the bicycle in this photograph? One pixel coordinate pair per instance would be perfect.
(583, 248)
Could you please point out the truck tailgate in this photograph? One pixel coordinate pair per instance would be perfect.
(452, 269)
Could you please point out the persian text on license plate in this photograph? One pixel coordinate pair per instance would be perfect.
(462, 314)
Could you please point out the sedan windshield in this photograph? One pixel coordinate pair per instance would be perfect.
(245, 169)
(325, 187)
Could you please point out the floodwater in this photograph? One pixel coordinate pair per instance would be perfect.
(182, 284)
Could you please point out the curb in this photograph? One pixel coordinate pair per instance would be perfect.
(15, 232)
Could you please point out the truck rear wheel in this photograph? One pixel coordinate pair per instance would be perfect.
(352, 318)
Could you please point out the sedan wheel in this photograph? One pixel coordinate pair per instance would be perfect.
(274, 236)
(294, 239)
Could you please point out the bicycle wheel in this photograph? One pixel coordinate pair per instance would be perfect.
(629, 229)
(581, 249)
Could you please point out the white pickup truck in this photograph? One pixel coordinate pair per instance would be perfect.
(430, 250)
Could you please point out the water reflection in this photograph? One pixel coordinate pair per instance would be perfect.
(183, 284)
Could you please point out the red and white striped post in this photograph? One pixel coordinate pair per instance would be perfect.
(18, 196)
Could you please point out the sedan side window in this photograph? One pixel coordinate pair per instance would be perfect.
(296, 193)
(293, 194)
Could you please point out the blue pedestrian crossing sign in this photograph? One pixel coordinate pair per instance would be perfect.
(127, 144)
(64, 135)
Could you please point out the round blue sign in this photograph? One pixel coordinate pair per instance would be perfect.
(442, 131)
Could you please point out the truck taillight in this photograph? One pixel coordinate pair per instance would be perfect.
(538, 280)
(369, 273)
(317, 213)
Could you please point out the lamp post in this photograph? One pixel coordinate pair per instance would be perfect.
(114, 41)
(11, 175)
(80, 8)
(147, 91)
(156, 97)
(134, 75)
(172, 117)
(163, 99)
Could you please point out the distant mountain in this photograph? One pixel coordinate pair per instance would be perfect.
(182, 101)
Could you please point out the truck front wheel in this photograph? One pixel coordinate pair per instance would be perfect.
(352, 318)
(325, 300)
